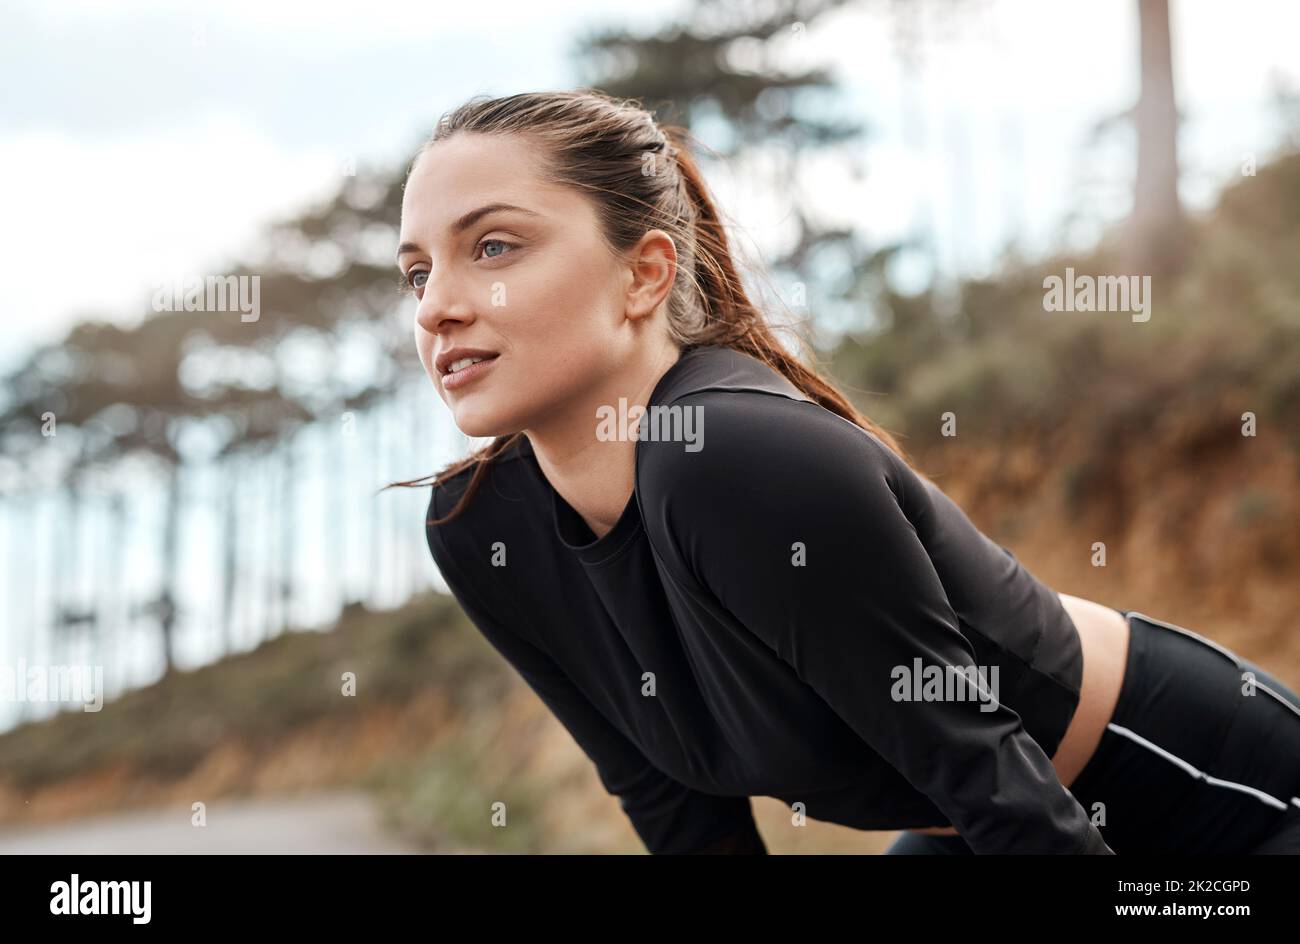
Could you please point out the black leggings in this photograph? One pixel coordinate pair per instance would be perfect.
(1190, 764)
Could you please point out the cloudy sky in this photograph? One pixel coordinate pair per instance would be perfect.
(147, 140)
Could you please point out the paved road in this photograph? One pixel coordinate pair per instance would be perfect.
(323, 823)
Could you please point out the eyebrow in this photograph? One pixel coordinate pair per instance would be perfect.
(469, 219)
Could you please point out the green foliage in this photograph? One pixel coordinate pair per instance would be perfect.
(1228, 324)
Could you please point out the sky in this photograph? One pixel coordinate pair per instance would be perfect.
(143, 141)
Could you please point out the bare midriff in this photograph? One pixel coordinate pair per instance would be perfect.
(1103, 636)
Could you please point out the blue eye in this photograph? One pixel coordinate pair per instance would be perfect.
(499, 242)
(413, 278)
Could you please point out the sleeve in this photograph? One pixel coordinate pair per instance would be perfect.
(776, 474)
(669, 817)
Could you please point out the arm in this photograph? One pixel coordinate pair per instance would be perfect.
(668, 816)
(775, 471)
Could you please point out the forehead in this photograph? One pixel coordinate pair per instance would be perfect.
(467, 171)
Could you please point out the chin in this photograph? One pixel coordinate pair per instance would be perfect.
(482, 424)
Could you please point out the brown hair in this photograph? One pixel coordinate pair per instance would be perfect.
(641, 176)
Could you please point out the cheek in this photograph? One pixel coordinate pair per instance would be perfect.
(569, 302)
(564, 367)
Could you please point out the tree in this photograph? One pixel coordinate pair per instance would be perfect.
(1157, 232)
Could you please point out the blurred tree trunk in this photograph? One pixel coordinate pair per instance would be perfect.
(62, 570)
(230, 537)
(116, 625)
(420, 431)
(399, 458)
(337, 456)
(268, 593)
(1157, 237)
(166, 604)
(288, 523)
(76, 617)
(375, 419)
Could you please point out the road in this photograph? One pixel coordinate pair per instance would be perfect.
(320, 823)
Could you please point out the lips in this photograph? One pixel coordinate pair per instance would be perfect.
(458, 378)
(444, 360)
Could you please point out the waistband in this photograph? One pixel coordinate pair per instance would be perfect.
(1184, 742)
(1187, 730)
(1101, 766)
(1137, 650)
(1132, 689)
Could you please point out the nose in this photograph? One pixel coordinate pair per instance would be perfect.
(441, 304)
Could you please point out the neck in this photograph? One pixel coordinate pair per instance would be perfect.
(596, 476)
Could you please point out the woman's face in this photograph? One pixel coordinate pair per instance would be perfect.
(535, 285)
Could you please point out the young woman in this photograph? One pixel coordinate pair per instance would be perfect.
(727, 582)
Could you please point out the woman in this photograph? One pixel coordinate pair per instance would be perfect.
(726, 582)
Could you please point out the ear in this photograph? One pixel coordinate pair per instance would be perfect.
(653, 266)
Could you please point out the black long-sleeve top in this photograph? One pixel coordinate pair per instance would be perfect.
(762, 620)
